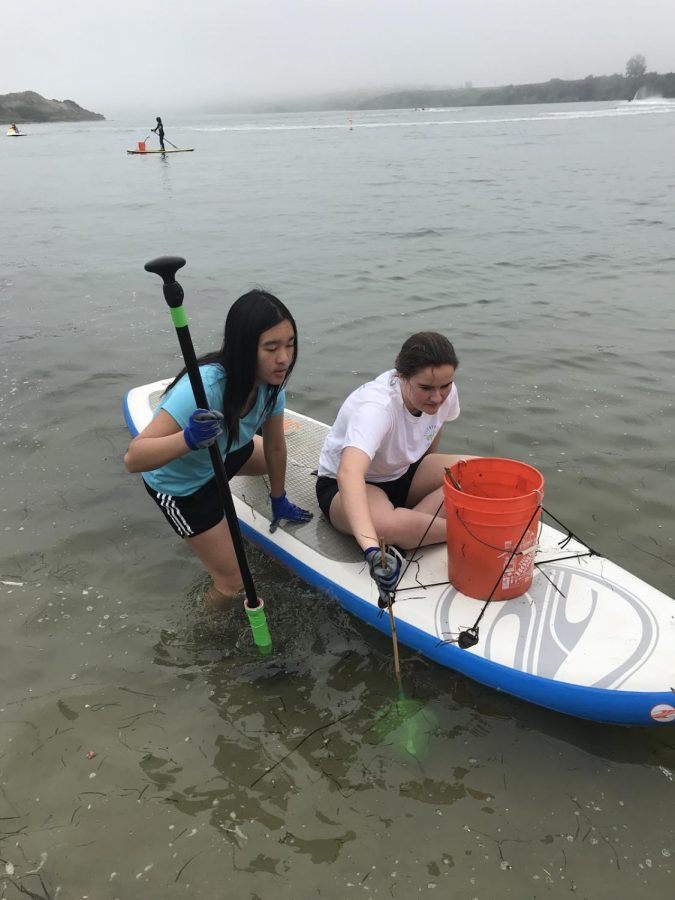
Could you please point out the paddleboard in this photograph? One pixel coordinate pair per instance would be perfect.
(588, 638)
(148, 152)
(16, 134)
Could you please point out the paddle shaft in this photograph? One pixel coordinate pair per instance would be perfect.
(392, 620)
(190, 358)
(394, 638)
(173, 294)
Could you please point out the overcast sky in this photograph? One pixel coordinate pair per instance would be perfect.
(166, 54)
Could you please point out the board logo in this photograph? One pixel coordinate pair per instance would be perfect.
(663, 712)
(558, 637)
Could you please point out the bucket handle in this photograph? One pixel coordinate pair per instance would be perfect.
(448, 471)
(531, 549)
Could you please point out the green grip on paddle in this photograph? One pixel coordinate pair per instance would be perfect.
(178, 316)
(258, 623)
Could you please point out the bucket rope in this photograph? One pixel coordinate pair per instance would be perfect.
(569, 535)
(485, 543)
(421, 541)
(469, 636)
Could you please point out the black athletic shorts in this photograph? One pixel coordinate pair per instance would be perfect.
(397, 490)
(196, 513)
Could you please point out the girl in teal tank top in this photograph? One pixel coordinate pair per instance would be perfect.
(244, 383)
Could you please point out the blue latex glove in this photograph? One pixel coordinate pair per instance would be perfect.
(203, 428)
(385, 576)
(282, 508)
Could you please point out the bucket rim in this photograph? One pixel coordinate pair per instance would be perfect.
(456, 468)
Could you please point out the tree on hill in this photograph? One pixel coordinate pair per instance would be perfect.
(636, 66)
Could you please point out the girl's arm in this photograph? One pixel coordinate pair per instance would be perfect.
(274, 449)
(158, 444)
(351, 479)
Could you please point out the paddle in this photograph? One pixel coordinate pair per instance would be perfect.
(166, 267)
(403, 711)
(167, 141)
(392, 620)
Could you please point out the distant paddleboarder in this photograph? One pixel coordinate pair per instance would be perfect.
(159, 131)
(13, 128)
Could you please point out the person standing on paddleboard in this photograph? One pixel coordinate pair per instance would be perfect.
(380, 473)
(244, 382)
(159, 131)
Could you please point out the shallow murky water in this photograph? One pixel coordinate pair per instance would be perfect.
(146, 750)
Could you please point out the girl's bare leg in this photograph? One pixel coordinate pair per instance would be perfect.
(426, 491)
(255, 464)
(424, 518)
(214, 549)
(401, 526)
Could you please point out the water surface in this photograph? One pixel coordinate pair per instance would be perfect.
(540, 239)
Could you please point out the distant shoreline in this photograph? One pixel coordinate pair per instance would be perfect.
(585, 90)
(592, 89)
(28, 107)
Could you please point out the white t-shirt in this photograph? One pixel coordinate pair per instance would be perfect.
(375, 419)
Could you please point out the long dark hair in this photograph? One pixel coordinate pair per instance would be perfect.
(249, 316)
(424, 349)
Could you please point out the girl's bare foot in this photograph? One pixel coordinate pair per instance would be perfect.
(217, 600)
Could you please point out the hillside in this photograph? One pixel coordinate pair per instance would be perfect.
(27, 106)
(589, 89)
(593, 88)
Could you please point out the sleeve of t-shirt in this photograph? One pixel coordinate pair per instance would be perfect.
(368, 427)
(280, 405)
(452, 405)
(180, 402)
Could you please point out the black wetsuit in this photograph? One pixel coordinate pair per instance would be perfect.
(159, 131)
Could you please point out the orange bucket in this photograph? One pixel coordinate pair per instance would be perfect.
(141, 146)
(496, 509)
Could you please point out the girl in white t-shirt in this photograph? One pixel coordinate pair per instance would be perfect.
(380, 475)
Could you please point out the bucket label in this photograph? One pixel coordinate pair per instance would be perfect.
(520, 570)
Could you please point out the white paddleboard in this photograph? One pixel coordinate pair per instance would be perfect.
(588, 638)
(150, 152)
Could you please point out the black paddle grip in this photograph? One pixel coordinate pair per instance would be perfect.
(166, 267)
